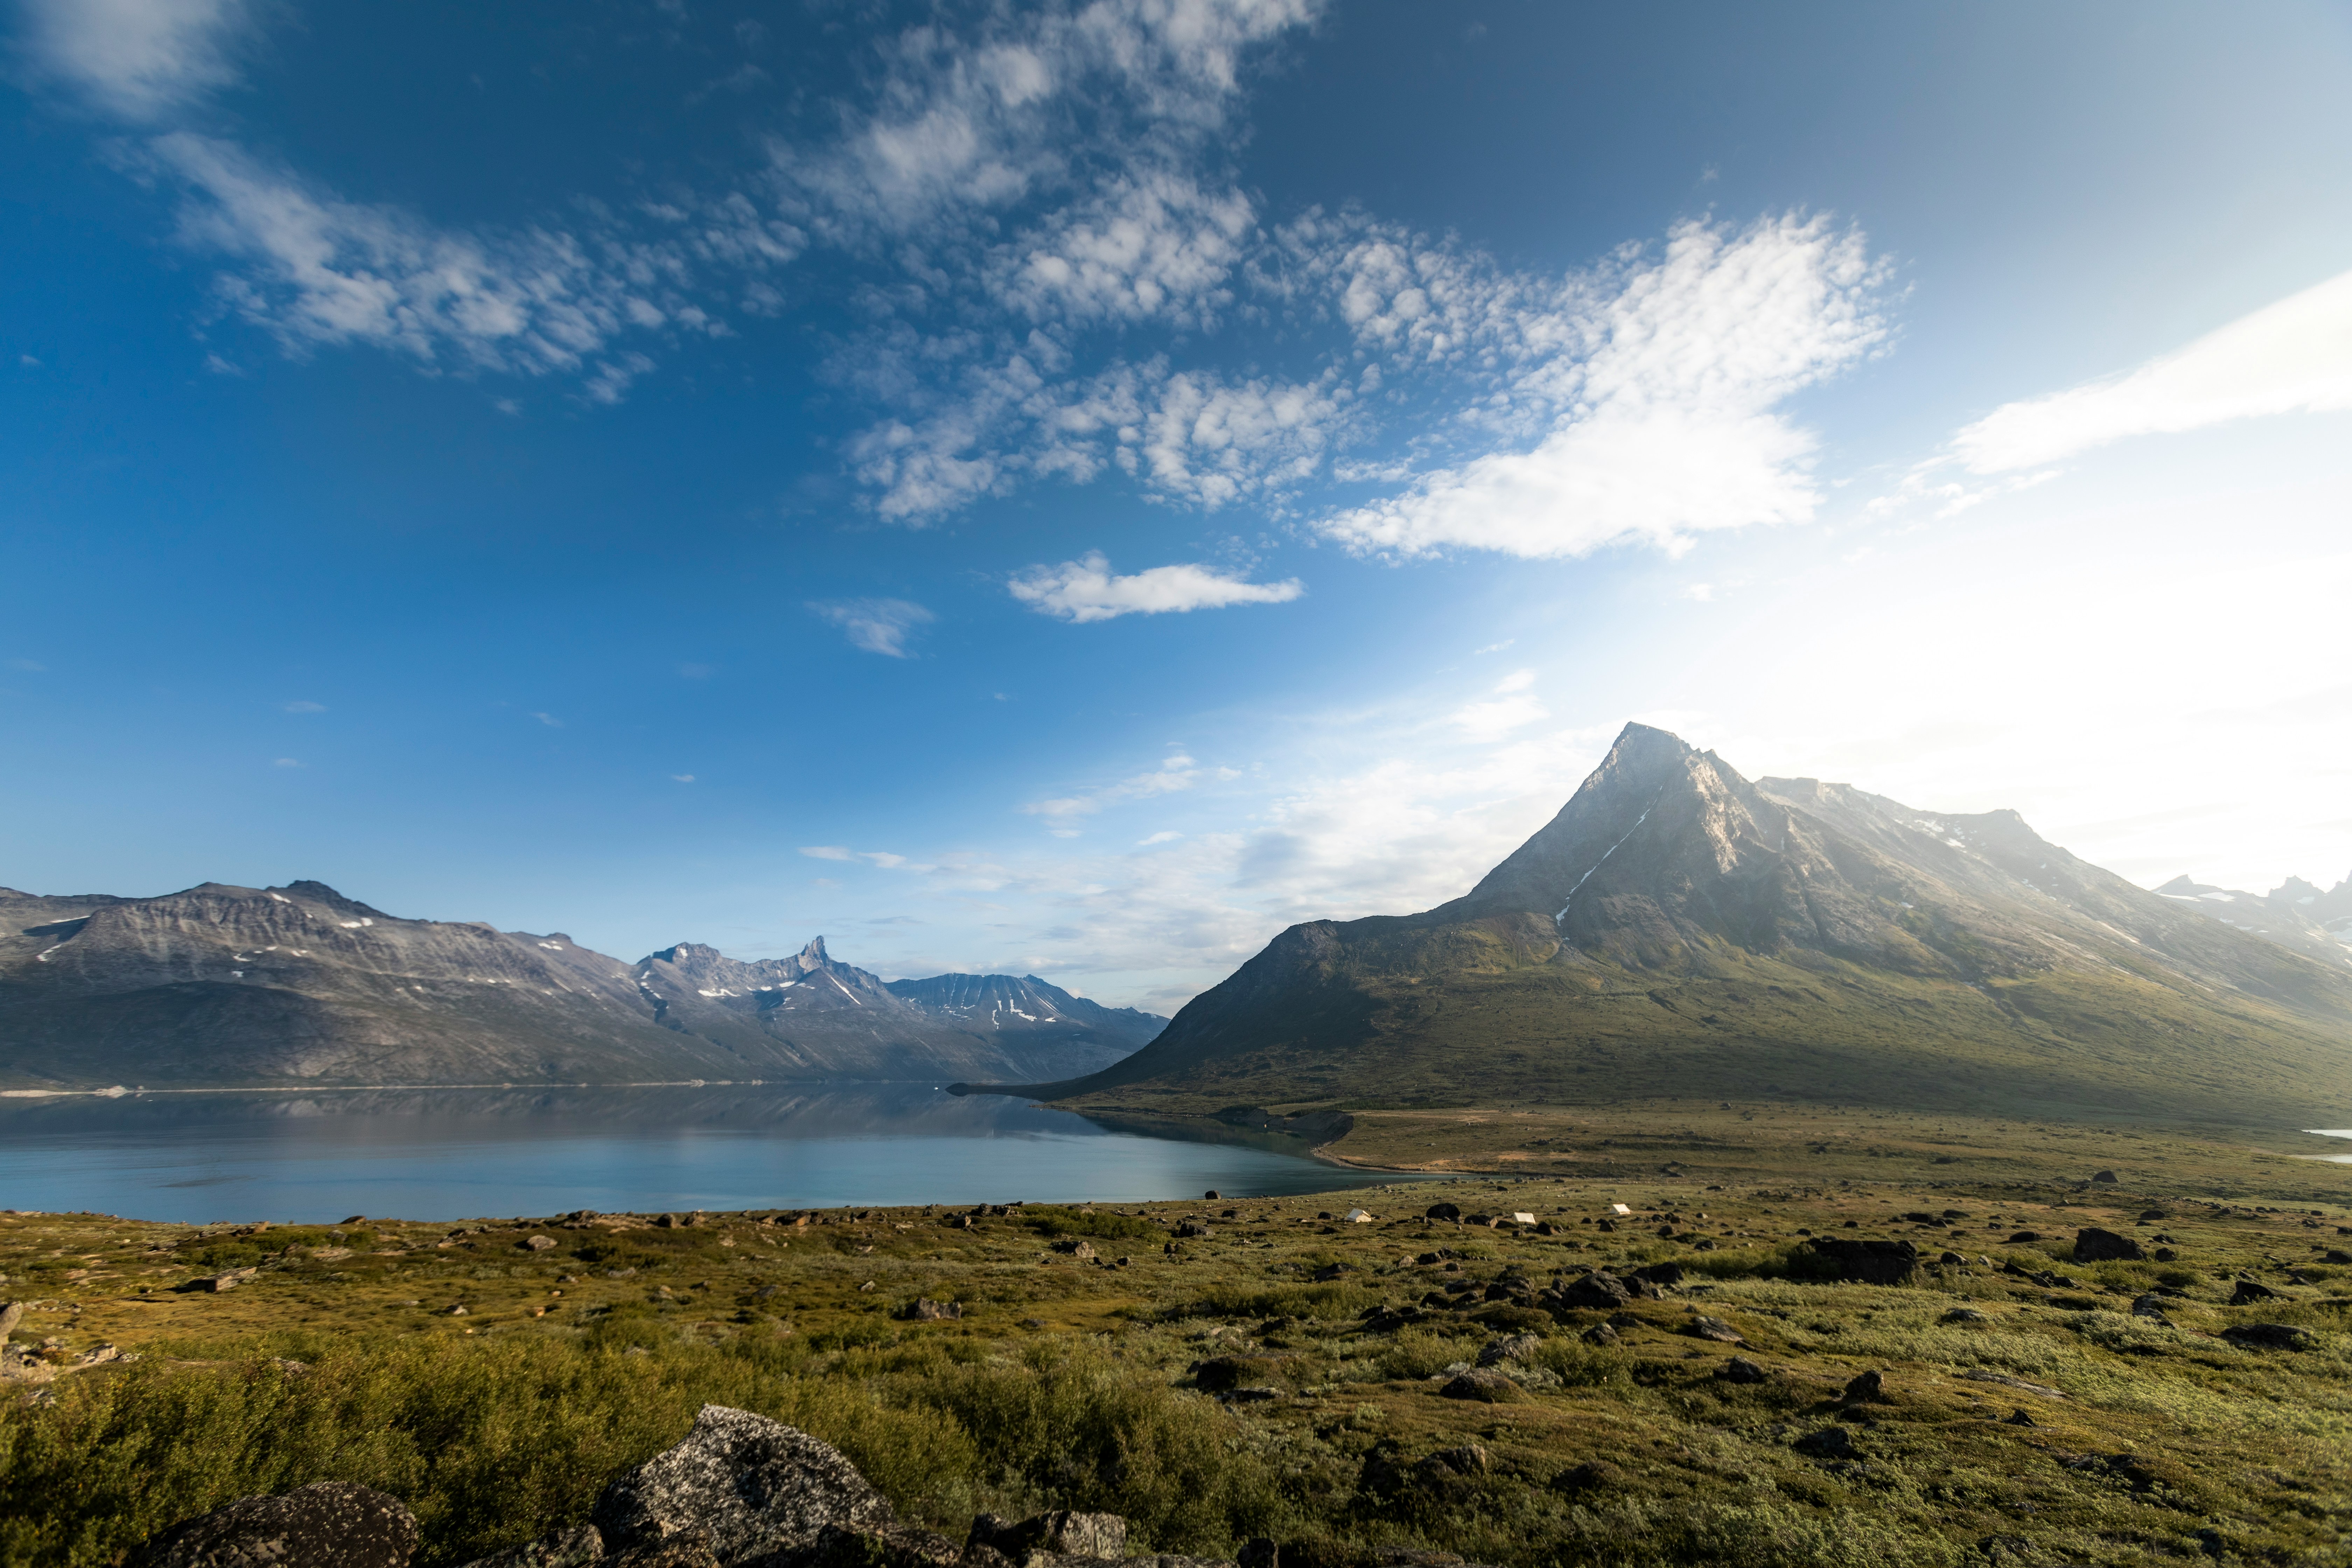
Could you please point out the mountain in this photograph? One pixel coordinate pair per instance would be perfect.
(1026, 1006)
(223, 984)
(2294, 914)
(1680, 930)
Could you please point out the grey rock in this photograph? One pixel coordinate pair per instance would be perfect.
(1510, 1347)
(2150, 1305)
(1829, 1443)
(2093, 1244)
(2269, 1336)
(1739, 1369)
(2250, 1291)
(569, 1548)
(1965, 1315)
(927, 1310)
(751, 1486)
(1488, 1387)
(326, 1522)
(1059, 1532)
(1598, 1291)
(1866, 1388)
(10, 1316)
(1598, 1334)
(537, 1243)
(1867, 1262)
(1715, 1329)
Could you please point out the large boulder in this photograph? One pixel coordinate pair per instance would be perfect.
(1598, 1291)
(751, 1487)
(337, 1523)
(1486, 1387)
(1865, 1262)
(2093, 1244)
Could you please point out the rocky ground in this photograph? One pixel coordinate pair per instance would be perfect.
(1883, 1358)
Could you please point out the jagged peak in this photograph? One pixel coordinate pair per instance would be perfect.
(815, 952)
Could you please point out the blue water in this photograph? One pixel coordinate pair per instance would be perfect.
(456, 1155)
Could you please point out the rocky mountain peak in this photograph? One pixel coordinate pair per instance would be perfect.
(812, 956)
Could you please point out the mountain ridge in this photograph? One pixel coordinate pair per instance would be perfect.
(1677, 928)
(219, 985)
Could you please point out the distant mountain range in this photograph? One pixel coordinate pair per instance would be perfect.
(228, 986)
(2294, 914)
(1680, 930)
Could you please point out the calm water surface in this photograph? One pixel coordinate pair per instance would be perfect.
(452, 1154)
(2333, 1133)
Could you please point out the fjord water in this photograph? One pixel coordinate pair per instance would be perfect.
(315, 1158)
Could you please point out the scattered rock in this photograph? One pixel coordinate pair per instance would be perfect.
(1441, 1211)
(1221, 1374)
(571, 1548)
(2017, 1418)
(1510, 1347)
(1190, 1228)
(336, 1522)
(1212, 1194)
(1715, 1329)
(2093, 1244)
(1590, 1476)
(1488, 1387)
(2269, 1336)
(1868, 1262)
(1829, 1443)
(1598, 1334)
(1598, 1290)
(227, 1280)
(927, 1311)
(2150, 1305)
(1060, 1533)
(2022, 1237)
(1868, 1388)
(537, 1243)
(1739, 1369)
(1965, 1315)
(10, 1316)
(2250, 1291)
(1083, 1251)
(749, 1485)
(2105, 1178)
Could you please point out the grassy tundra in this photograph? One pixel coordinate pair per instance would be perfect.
(1075, 1380)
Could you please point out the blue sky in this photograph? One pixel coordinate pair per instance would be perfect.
(1077, 489)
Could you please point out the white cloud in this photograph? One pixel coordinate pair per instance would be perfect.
(826, 852)
(878, 626)
(2292, 357)
(1511, 707)
(1664, 386)
(550, 720)
(286, 763)
(682, 778)
(1152, 244)
(305, 708)
(1086, 590)
(1178, 772)
(137, 59)
(1166, 836)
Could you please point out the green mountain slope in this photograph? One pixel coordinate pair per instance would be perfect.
(1679, 931)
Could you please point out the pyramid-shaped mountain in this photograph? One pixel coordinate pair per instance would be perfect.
(1680, 930)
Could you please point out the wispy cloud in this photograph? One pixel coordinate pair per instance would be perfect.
(2292, 357)
(1088, 590)
(878, 626)
(827, 852)
(304, 707)
(550, 720)
(1178, 772)
(1512, 706)
(137, 59)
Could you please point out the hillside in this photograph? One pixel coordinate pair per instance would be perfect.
(1680, 930)
(2294, 914)
(230, 985)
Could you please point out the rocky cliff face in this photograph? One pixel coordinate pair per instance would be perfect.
(1025, 1006)
(255, 986)
(2294, 914)
(1678, 929)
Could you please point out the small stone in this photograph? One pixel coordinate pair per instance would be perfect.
(1965, 1315)
(2093, 1244)
(455, 1310)
(1488, 1387)
(2250, 1291)
(2105, 1178)
(1589, 1476)
(1829, 1443)
(2150, 1305)
(1441, 1212)
(1739, 1369)
(927, 1310)
(2269, 1336)
(1599, 1334)
(1510, 1347)
(1715, 1329)
(1869, 1388)
(537, 1243)
(2017, 1418)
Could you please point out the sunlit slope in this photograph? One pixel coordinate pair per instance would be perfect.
(1678, 929)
